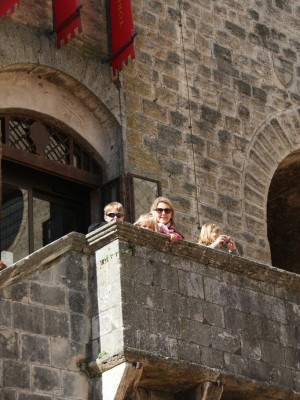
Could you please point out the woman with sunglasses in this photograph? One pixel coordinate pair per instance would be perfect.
(165, 215)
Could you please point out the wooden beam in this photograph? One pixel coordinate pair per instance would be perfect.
(119, 383)
(209, 391)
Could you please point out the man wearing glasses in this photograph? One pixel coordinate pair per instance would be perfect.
(112, 212)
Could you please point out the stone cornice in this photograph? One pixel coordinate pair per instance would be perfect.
(204, 255)
(39, 259)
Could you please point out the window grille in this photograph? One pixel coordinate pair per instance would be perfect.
(45, 140)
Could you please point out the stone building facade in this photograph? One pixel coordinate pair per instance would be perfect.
(209, 107)
(206, 114)
(123, 314)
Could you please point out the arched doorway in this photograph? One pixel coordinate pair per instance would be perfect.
(283, 214)
(47, 178)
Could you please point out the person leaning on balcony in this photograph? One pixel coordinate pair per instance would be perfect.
(210, 236)
(166, 215)
(2, 265)
(149, 221)
(112, 212)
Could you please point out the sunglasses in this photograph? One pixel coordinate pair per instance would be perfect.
(113, 215)
(161, 210)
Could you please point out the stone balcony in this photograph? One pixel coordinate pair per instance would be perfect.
(159, 320)
(188, 316)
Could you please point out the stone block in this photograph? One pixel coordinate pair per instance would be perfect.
(17, 292)
(8, 394)
(210, 115)
(80, 328)
(134, 315)
(196, 332)
(235, 364)
(71, 272)
(109, 295)
(167, 278)
(111, 319)
(191, 284)
(66, 353)
(75, 385)
(78, 301)
(296, 380)
(236, 30)
(169, 135)
(153, 110)
(195, 309)
(225, 340)
(272, 353)
(213, 314)
(57, 324)
(47, 380)
(16, 374)
(28, 318)
(222, 53)
(164, 323)
(292, 357)
(35, 349)
(113, 342)
(211, 357)
(250, 346)
(188, 351)
(5, 313)
(243, 87)
(9, 344)
(47, 295)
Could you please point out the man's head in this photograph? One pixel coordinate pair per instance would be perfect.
(114, 212)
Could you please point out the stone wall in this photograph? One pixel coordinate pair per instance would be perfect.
(212, 108)
(190, 314)
(209, 106)
(45, 324)
(157, 320)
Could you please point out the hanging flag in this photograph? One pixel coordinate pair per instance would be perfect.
(121, 32)
(66, 19)
(8, 6)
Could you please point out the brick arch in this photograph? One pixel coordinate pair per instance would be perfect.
(274, 141)
(50, 95)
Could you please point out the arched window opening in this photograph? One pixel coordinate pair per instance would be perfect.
(47, 180)
(46, 141)
(283, 214)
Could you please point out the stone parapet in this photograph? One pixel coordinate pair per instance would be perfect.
(45, 324)
(189, 314)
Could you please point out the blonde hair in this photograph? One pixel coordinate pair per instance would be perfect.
(167, 201)
(208, 234)
(114, 204)
(150, 220)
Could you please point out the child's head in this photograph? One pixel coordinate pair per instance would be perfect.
(114, 211)
(148, 221)
(208, 234)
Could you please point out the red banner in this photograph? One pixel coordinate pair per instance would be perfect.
(122, 33)
(66, 15)
(8, 6)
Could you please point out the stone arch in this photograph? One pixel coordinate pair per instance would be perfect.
(68, 63)
(52, 96)
(278, 137)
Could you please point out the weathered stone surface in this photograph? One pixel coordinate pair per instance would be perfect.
(205, 313)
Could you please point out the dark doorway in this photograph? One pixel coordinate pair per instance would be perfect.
(47, 181)
(38, 208)
(283, 214)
